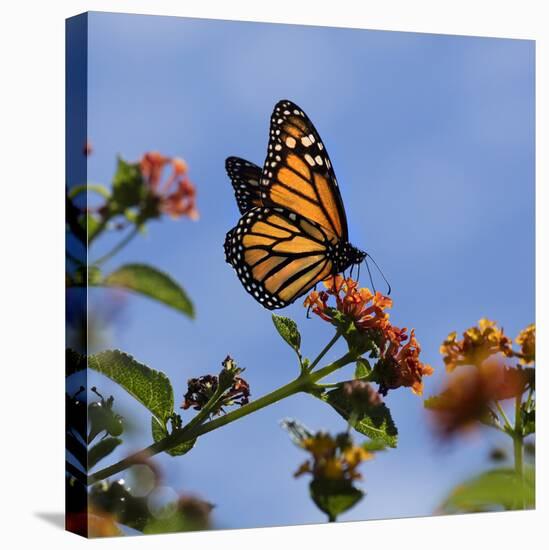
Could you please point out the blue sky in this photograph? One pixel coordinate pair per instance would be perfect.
(432, 140)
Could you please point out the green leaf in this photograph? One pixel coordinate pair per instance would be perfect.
(372, 420)
(150, 282)
(102, 449)
(127, 186)
(374, 446)
(334, 497)
(287, 328)
(493, 490)
(362, 369)
(90, 187)
(150, 387)
(159, 431)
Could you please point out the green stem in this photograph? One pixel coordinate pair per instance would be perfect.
(194, 429)
(325, 350)
(518, 437)
(518, 440)
(504, 416)
(118, 247)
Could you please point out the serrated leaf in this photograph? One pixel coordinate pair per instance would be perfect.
(153, 283)
(287, 328)
(362, 369)
(334, 497)
(159, 431)
(102, 449)
(150, 387)
(374, 421)
(493, 490)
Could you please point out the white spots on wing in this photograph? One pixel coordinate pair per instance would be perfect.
(328, 163)
(310, 159)
(278, 147)
(290, 142)
(312, 138)
(318, 160)
(305, 141)
(292, 216)
(320, 145)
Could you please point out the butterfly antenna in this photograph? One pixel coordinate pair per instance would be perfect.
(380, 272)
(370, 274)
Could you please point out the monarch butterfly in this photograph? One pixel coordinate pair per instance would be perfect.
(293, 230)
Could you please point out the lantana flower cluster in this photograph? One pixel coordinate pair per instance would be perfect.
(176, 194)
(399, 351)
(482, 375)
(332, 458)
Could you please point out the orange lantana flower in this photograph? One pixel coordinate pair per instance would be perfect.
(470, 392)
(527, 342)
(477, 345)
(403, 367)
(176, 194)
(399, 363)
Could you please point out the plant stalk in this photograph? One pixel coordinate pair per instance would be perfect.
(303, 383)
(117, 248)
(518, 438)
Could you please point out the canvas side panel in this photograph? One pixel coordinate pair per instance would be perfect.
(76, 70)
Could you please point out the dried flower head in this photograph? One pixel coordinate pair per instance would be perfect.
(236, 391)
(361, 394)
(176, 194)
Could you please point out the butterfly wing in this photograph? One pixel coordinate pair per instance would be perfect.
(245, 177)
(298, 174)
(278, 255)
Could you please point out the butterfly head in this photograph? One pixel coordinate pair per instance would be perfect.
(346, 255)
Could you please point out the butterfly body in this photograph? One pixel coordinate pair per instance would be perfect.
(293, 230)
